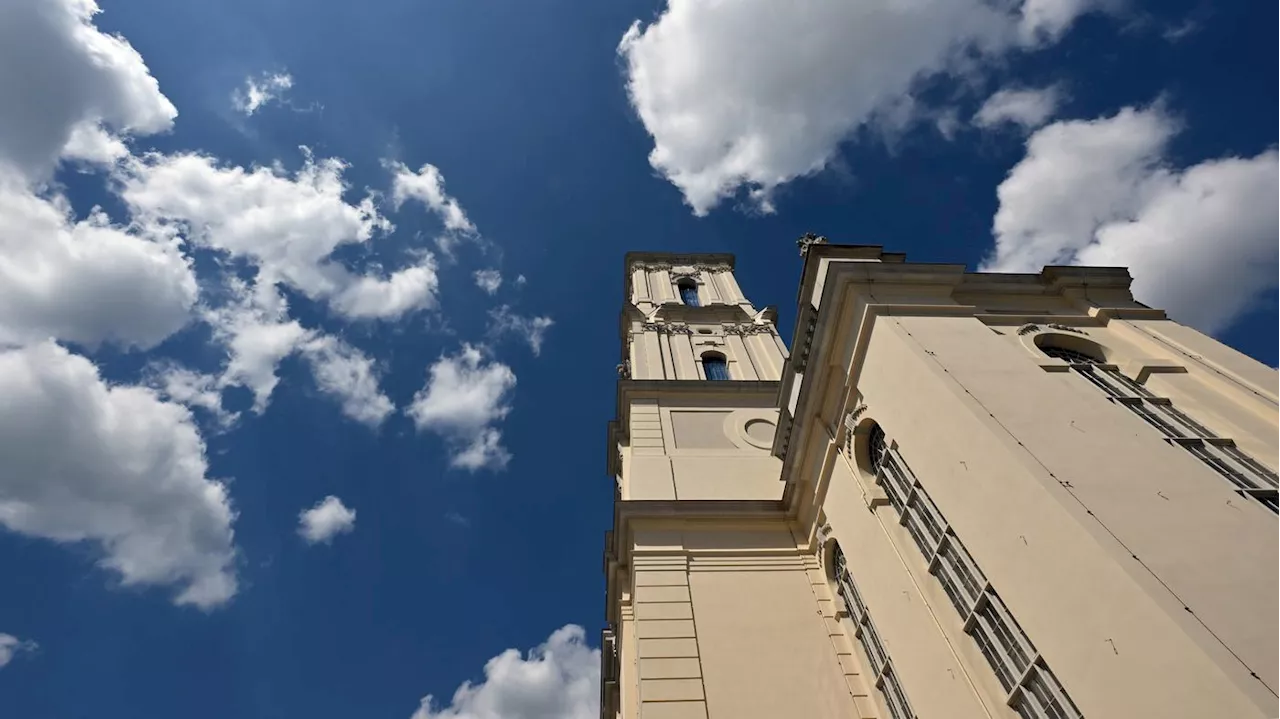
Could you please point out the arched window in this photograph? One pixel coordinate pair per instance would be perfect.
(715, 366)
(1070, 356)
(688, 292)
(875, 446)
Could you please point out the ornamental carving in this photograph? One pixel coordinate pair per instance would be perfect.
(677, 276)
(746, 328)
(721, 267)
(854, 415)
(1065, 328)
(650, 266)
(1029, 327)
(808, 240)
(624, 369)
(824, 532)
(668, 328)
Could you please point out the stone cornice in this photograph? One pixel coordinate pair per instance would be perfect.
(700, 262)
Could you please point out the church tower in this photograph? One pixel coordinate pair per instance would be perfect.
(711, 600)
(963, 495)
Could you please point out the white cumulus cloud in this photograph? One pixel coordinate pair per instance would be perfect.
(350, 376)
(288, 226)
(258, 333)
(329, 518)
(258, 91)
(488, 280)
(1027, 107)
(531, 329)
(755, 93)
(190, 388)
(464, 397)
(127, 474)
(559, 679)
(1200, 241)
(86, 281)
(59, 74)
(11, 646)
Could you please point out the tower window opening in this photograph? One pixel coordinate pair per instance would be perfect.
(689, 292)
(715, 366)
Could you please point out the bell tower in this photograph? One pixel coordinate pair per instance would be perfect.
(715, 607)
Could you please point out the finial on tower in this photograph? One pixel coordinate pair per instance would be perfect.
(808, 240)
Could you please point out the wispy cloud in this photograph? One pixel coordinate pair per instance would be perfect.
(260, 90)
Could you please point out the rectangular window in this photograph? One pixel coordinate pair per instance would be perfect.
(1251, 478)
(881, 667)
(1031, 687)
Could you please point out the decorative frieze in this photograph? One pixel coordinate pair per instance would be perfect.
(650, 266)
(695, 269)
(746, 328)
(668, 328)
(1033, 327)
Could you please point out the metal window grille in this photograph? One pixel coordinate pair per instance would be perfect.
(610, 672)
(715, 367)
(1250, 477)
(1032, 688)
(689, 294)
(886, 680)
(875, 445)
(1070, 356)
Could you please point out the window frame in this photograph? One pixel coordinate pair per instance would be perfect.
(1248, 477)
(716, 359)
(1017, 665)
(684, 285)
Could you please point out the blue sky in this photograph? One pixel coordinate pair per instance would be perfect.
(246, 328)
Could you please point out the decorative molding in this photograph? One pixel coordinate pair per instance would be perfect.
(857, 412)
(746, 328)
(624, 369)
(808, 240)
(720, 267)
(824, 533)
(851, 422)
(650, 266)
(668, 328)
(1033, 327)
(695, 275)
(800, 358)
(677, 328)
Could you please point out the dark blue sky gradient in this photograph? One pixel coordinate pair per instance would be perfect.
(522, 107)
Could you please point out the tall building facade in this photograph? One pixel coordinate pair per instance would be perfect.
(960, 495)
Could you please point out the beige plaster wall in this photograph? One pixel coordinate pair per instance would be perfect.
(1054, 490)
(685, 448)
(729, 624)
